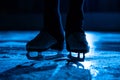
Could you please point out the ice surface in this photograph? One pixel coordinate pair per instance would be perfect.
(101, 63)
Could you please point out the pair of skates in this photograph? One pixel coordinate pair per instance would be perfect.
(75, 42)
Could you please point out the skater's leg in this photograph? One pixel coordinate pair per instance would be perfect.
(75, 36)
(74, 17)
(51, 36)
(52, 23)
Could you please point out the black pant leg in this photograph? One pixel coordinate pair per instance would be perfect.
(52, 18)
(52, 22)
(74, 17)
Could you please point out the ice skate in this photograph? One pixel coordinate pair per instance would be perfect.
(42, 42)
(76, 42)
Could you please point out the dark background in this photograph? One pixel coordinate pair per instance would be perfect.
(100, 15)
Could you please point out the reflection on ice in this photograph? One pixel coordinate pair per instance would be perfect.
(94, 72)
(89, 65)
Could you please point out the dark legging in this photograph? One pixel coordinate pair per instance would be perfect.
(52, 21)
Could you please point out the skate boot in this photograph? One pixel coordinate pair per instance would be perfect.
(42, 42)
(76, 42)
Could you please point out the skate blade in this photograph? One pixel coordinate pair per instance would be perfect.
(80, 57)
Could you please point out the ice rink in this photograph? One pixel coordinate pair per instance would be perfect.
(101, 63)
